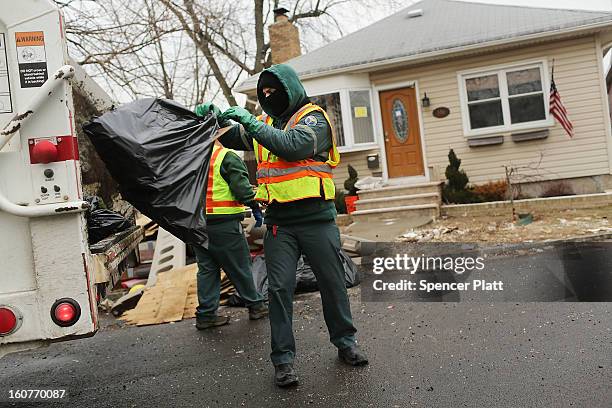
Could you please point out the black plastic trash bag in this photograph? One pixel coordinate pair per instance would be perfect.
(351, 274)
(102, 222)
(158, 152)
(95, 203)
(305, 280)
(260, 275)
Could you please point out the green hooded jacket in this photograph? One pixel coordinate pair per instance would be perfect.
(310, 138)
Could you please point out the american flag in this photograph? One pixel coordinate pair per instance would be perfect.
(558, 110)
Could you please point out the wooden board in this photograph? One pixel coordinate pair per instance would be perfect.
(164, 302)
(191, 302)
(174, 297)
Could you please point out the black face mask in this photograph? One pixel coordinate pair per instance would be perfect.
(276, 103)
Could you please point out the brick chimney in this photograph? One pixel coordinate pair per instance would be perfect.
(284, 38)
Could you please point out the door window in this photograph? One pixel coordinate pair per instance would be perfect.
(399, 119)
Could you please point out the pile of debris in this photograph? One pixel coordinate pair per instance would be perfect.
(428, 235)
(550, 226)
(173, 298)
(170, 293)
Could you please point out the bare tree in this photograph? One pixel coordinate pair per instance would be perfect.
(136, 49)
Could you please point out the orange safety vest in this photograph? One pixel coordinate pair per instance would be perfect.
(283, 181)
(219, 196)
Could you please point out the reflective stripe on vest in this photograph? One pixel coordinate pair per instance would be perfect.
(284, 181)
(219, 197)
(334, 156)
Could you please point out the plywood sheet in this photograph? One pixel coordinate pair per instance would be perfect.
(174, 297)
(164, 302)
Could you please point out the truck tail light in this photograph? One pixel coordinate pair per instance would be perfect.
(8, 321)
(65, 312)
(44, 152)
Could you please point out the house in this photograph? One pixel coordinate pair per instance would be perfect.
(473, 77)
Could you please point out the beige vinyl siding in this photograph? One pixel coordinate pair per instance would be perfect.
(579, 82)
(359, 160)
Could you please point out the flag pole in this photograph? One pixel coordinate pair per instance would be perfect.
(552, 75)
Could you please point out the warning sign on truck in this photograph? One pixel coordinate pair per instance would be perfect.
(32, 58)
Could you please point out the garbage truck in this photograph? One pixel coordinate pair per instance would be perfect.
(47, 287)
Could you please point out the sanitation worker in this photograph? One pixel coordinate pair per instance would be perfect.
(296, 151)
(228, 191)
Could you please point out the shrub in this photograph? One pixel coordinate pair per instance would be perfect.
(492, 191)
(457, 179)
(459, 197)
(558, 189)
(349, 183)
(456, 189)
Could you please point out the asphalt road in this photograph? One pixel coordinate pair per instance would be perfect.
(422, 354)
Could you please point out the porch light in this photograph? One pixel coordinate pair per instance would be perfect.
(425, 101)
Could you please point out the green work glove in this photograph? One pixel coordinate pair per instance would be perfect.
(242, 116)
(204, 109)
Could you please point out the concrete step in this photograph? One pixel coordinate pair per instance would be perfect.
(403, 190)
(377, 214)
(398, 201)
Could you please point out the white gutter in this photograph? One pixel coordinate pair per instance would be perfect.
(445, 52)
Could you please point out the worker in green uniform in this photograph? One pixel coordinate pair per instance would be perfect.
(228, 191)
(296, 151)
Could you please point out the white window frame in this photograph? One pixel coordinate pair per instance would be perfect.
(347, 119)
(501, 71)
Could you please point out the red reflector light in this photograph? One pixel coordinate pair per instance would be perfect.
(44, 152)
(65, 312)
(8, 321)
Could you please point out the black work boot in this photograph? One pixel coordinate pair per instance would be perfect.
(258, 311)
(352, 355)
(203, 323)
(284, 375)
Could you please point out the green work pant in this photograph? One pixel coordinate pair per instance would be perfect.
(320, 242)
(227, 249)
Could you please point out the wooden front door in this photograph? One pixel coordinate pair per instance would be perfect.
(400, 118)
